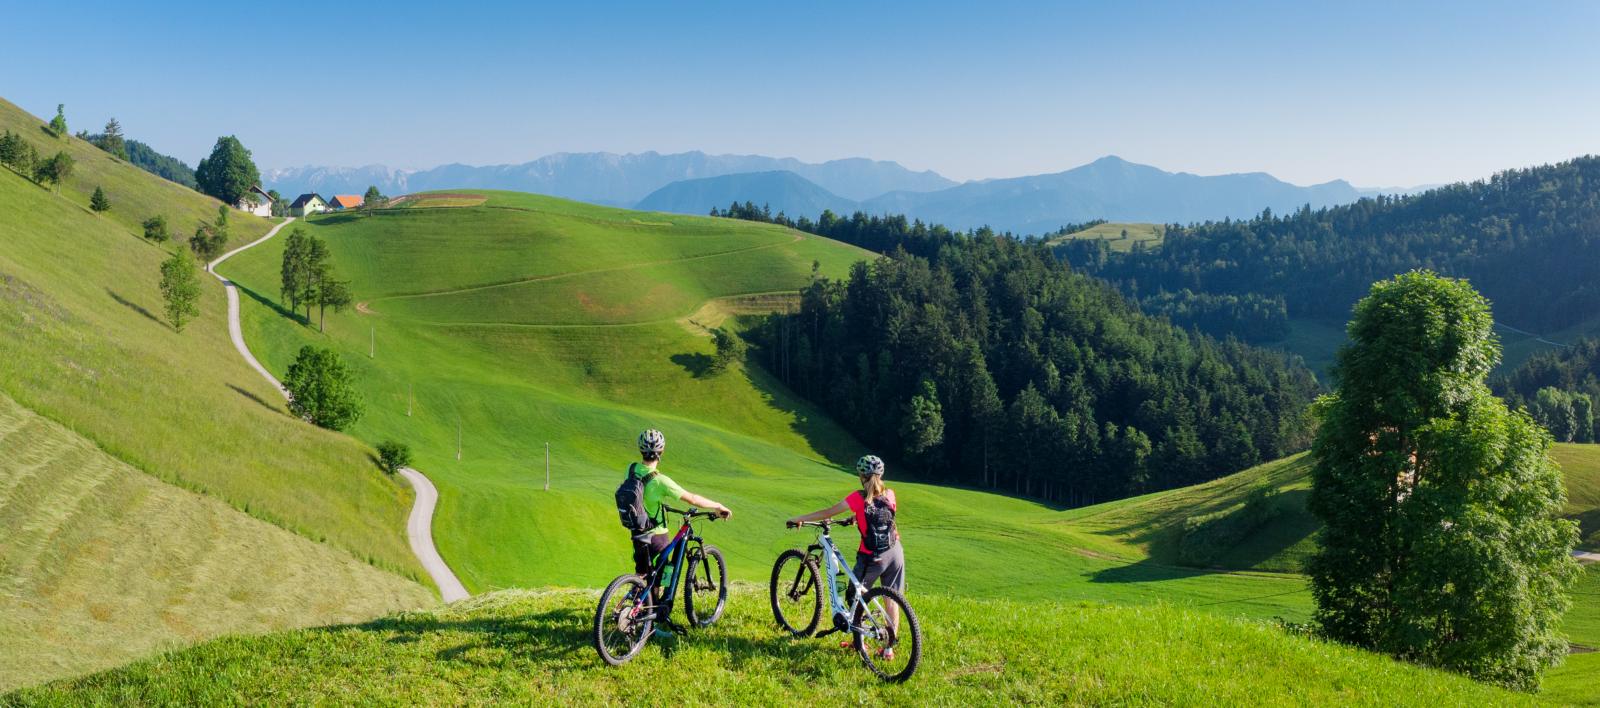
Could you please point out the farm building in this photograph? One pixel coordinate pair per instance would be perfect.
(308, 204)
(340, 202)
(256, 202)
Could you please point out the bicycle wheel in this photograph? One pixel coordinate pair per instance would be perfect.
(796, 593)
(623, 621)
(892, 654)
(707, 578)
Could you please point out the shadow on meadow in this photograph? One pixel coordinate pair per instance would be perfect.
(136, 307)
(698, 365)
(255, 398)
(273, 304)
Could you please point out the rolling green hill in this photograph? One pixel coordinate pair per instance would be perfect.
(526, 336)
(103, 564)
(522, 647)
(105, 557)
(1120, 236)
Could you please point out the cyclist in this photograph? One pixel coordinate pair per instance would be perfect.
(659, 489)
(879, 558)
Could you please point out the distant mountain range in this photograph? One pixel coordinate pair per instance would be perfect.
(694, 182)
(1109, 188)
(606, 178)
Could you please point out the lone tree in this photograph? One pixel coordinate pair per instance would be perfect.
(730, 348)
(112, 140)
(321, 389)
(228, 174)
(55, 170)
(180, 287)
(1441, 543)
(58, 124)
(98, 201)
(393, 455)
(155, 229)
(209, 239)
(373, 199)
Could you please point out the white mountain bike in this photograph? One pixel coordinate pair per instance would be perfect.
(891, 649)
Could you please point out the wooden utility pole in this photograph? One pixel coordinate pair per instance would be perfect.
(547, 467)
(372, 350)
(458, 437)
(408, 400)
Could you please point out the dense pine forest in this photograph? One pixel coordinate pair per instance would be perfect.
(980, 359)
(1513, 236)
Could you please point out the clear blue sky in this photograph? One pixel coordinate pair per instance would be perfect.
(1374, 93)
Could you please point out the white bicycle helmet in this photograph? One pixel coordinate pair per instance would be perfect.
(869, 464)
(652, 442)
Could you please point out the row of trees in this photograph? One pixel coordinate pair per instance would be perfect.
(1513, 236)
(989, 363)
(22, 157)
(307, 277)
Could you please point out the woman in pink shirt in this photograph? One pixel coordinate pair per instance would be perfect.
(879, 558)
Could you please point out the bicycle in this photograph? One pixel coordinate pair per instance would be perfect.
(632, 606)
(796, 593)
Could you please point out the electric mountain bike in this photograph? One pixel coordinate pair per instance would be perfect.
(632, 606)
(891, 650)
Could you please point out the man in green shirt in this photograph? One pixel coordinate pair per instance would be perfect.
(659, 489)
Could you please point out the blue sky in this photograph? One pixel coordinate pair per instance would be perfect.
(1375, 93)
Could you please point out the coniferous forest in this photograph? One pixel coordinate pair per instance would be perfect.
(1513, 236)
(980, 359)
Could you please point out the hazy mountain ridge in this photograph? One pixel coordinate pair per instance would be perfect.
(607, 178)
(1109, 188)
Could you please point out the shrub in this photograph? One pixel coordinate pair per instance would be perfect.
(393, 455)
(1207, 536)
(155, 229)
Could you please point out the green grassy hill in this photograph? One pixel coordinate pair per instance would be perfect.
(526, 335)
(1121, 236)
(521, 647)
(103, 564)
(83, 347)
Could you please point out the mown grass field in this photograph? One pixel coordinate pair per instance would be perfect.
(1120, 236)
(531, 647)
(103, 564)
(522, 370)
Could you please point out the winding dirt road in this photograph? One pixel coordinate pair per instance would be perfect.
(419, 527)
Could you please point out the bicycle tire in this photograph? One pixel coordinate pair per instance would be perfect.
(608, 618)
(705, 561)
(910, 629)
(791, 574)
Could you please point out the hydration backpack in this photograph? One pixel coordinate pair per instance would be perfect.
(879, 534)
(630, 505)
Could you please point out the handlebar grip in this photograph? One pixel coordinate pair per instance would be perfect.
(791, 524)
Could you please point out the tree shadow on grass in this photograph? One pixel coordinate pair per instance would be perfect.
(136, 307)
(698, 365)
(269, 302)
(255, 398)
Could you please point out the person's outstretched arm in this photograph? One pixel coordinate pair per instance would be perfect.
(696, 500)
(821, 514)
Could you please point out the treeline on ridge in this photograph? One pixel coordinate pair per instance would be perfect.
(1513, 236)
(979, 359)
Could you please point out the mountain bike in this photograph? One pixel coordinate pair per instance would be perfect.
(892, 652)
(632, 606)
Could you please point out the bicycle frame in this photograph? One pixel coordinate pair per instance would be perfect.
(672, 556)
(833, 565)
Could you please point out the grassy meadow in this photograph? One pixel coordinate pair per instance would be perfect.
(531, 647)
(1120, 236)
(103, 564)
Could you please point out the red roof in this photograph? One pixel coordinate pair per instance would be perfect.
(345, 201)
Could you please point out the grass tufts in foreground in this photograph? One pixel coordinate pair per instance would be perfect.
(522, 647)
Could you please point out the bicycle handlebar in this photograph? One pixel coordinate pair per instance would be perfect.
(823, 523)
(693, 513)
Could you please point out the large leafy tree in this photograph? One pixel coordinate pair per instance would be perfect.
(228, 174)
(322, 389)
(1441, 542)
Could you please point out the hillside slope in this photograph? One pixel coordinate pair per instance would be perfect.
(532, 647)
(103, 564)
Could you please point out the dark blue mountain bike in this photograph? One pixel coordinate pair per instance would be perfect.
(632, 606)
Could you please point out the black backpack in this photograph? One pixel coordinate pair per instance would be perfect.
(879, 534)
(630, 505)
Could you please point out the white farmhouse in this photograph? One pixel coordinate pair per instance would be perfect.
(256, 202)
